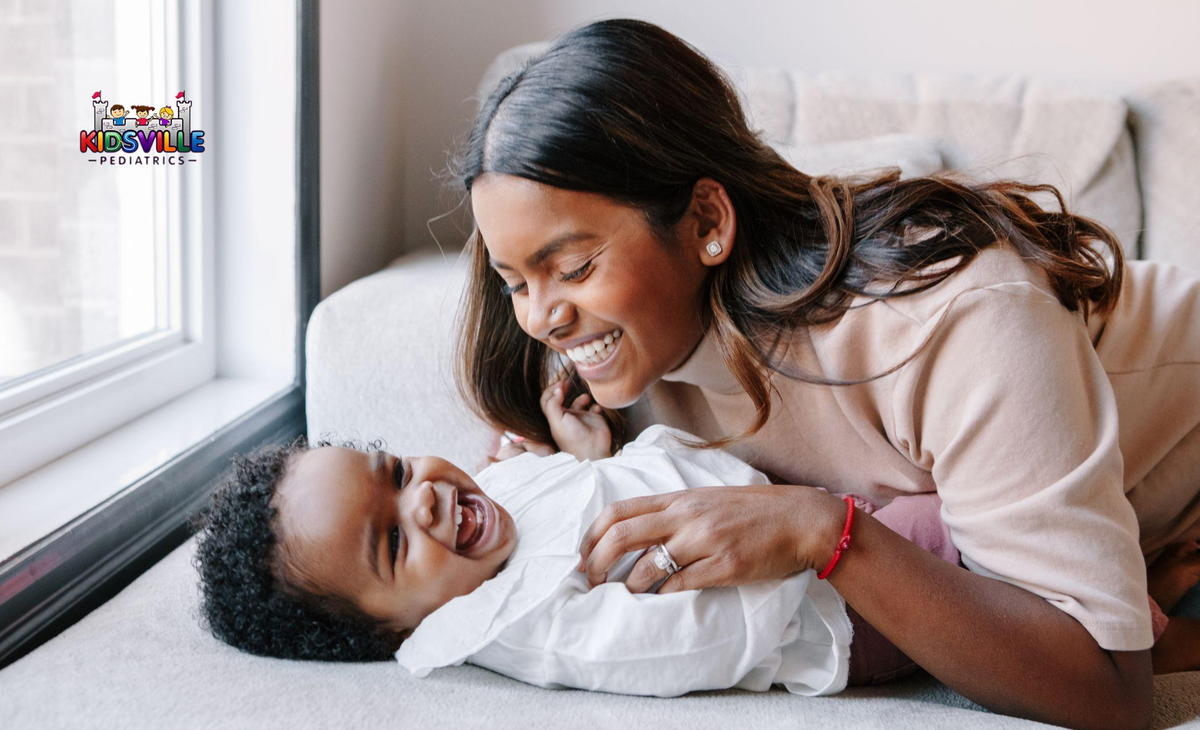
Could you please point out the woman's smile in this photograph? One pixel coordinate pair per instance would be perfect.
(598, 361)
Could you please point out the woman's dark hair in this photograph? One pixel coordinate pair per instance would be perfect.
(248, 599)
(625, 109)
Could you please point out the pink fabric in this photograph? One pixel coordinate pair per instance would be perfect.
(917, 518)
(1158, 619)
(874, 659)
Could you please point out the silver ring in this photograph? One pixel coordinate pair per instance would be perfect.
(663, 560)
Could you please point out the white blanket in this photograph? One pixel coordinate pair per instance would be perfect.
(537, 621)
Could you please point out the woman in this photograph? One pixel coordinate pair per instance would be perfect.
(875, 336)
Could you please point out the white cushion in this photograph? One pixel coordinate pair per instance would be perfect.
(916, 156)
(1166, 119)
(379, 363)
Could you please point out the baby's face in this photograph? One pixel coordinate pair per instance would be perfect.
(398, 537)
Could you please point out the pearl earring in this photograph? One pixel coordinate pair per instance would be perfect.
(713, 248)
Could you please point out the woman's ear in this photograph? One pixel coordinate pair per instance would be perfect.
(710, 224)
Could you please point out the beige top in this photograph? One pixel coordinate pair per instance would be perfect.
(1010, 413)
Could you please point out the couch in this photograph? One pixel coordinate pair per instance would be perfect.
(378, 367)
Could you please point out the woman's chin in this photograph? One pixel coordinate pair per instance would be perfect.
(613, 395)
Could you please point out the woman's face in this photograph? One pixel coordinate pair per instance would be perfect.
(608, 276)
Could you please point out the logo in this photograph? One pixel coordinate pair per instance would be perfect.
(141, 134)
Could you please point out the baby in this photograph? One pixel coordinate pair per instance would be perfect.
(339, 554)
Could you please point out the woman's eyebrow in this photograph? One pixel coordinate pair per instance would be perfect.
(549, 249)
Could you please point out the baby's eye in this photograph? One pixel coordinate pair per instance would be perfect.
(398, 473)
(393, 543)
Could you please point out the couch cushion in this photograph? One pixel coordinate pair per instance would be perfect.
(990, 126)
(916, 156)
(1166, 122)
(379, 363)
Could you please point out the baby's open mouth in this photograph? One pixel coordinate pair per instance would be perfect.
(470, 516)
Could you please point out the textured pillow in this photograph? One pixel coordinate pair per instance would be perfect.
(916, 156)
(1166, 123)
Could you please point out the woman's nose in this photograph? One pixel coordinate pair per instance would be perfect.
(546, 315)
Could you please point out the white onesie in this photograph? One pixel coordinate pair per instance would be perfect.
(536, 620)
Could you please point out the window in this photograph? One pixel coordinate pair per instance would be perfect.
(93, 271)
(160, 311)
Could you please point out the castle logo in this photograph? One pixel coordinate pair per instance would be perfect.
(141, 134)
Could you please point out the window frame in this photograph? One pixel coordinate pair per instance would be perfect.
(54, 582)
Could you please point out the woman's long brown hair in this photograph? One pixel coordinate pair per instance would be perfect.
(625, 109)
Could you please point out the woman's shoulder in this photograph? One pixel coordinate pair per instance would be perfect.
(999, 267)
(875, 334)
(1154, 320)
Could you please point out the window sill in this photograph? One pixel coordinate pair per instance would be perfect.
(47, 500)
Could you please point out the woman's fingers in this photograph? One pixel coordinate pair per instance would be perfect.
(645, 573)
(581, 402)
(631, 524)
(626, 536)
(705, 572)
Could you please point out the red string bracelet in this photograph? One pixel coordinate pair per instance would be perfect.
(843, 544)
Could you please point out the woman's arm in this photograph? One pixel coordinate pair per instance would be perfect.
(999, 645)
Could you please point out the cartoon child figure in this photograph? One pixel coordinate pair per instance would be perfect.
(118, 114)
(143, 114)
(164, 116)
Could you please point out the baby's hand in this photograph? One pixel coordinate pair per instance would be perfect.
(581, 429)
(517, 445)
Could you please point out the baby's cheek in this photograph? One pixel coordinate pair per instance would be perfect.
(461, 579)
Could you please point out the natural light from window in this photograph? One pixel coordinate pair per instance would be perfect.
(87, 262)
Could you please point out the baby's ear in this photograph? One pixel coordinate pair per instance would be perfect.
(399, 638)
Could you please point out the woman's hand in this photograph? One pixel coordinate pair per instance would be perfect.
(719, 536)
(581, 429)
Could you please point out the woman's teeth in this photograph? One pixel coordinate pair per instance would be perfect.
(596, 350)
(457, 515)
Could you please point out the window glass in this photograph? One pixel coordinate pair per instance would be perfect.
(86, 262)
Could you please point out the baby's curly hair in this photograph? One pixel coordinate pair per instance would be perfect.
(247, 598)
